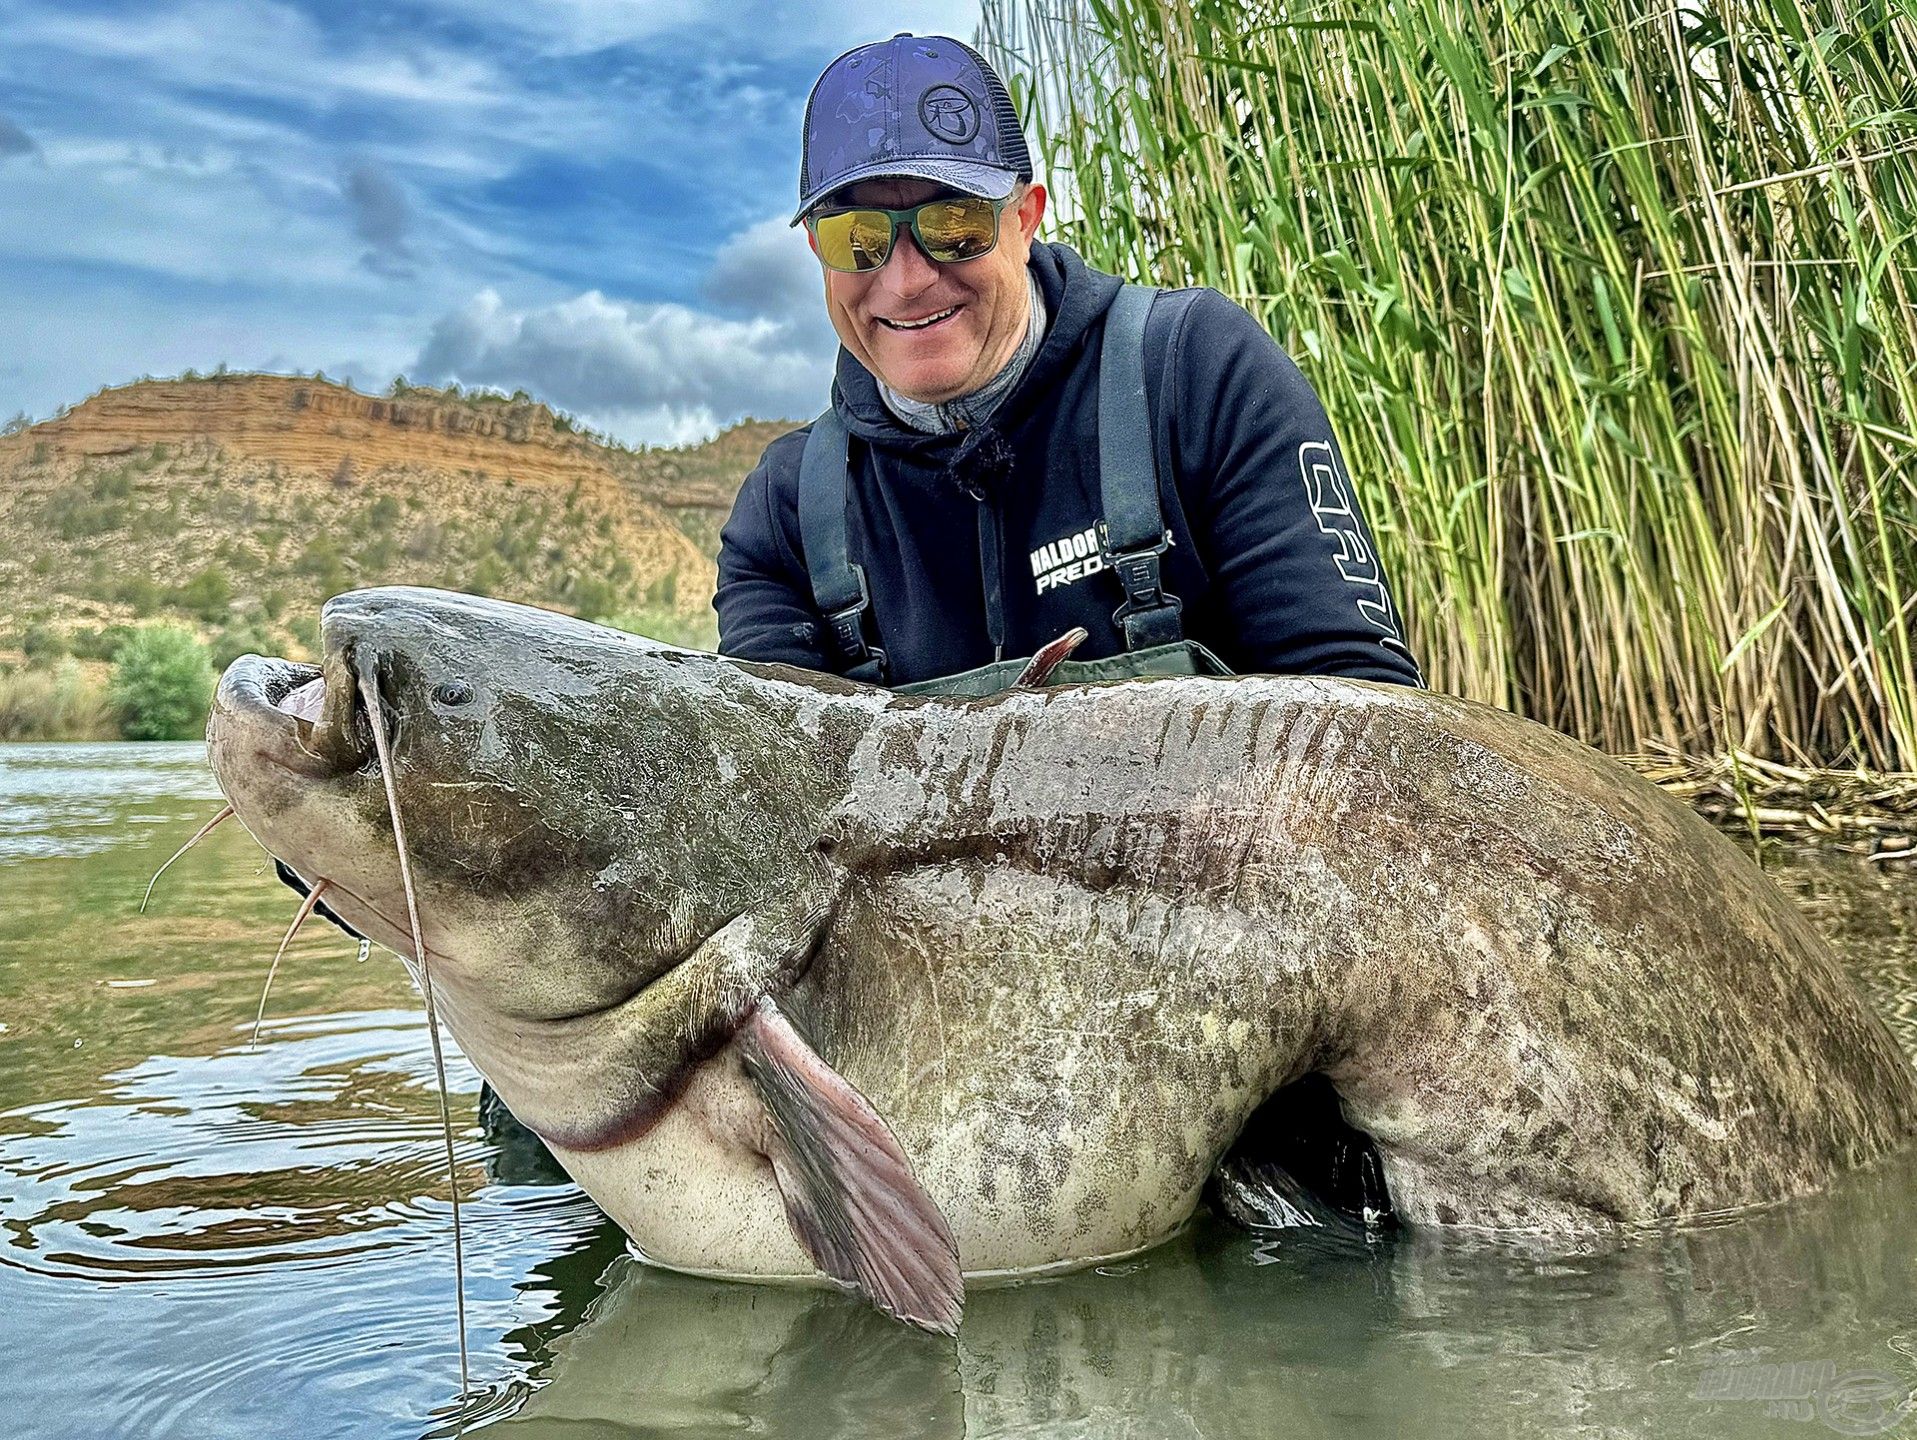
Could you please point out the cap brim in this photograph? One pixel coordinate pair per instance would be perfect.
(970, 177)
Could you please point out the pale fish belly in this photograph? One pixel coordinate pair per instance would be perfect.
(697, 1194)
(694, 1192)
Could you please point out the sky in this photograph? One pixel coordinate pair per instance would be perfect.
(586, 199)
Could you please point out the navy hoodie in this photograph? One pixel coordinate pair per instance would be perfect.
(1269, 554)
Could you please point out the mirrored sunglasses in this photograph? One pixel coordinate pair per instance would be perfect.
(858, 239)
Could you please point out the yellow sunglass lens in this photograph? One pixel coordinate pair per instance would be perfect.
(855, 239)
(957, 230)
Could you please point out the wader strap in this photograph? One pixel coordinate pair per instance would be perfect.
(838, 586)
(1133, 531)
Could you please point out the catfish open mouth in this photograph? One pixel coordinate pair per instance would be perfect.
(305, 718)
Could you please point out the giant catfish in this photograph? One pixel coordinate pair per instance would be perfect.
(798, 976)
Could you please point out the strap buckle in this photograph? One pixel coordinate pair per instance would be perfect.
(848, 633)
(1149, 616)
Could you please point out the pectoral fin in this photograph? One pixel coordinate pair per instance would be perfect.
(850, 1195)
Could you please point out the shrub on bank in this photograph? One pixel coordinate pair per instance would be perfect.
(162, 684)
(207, 595)
(42, 645)
(53, 702)
(101, 642)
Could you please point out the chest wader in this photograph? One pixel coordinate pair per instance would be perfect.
(1132, 538)
(1297, 1162)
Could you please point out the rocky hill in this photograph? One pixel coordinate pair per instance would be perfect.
(238, 502)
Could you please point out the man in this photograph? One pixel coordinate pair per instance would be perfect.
(966, 519)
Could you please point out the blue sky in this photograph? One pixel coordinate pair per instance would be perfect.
(582, 197)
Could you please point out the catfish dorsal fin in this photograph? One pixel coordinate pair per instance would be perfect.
(850, 1195)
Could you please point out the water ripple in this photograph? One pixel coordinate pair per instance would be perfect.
(278, 1215)
(79, 799)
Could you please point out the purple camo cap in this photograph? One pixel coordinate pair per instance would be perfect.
(926, 106)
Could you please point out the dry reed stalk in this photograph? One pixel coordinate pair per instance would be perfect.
(1868, 812)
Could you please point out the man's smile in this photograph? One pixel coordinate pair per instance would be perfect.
(923, 322)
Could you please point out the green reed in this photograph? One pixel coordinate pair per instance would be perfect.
(1611, 307)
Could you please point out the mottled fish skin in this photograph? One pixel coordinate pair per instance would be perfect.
(1068, 939)
(1557, 999)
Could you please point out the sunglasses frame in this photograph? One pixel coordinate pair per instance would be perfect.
(908, 219)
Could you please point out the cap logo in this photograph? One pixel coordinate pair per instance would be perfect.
(949, 113)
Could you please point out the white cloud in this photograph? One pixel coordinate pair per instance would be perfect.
(768, 29)
(262, 49)
(657, 372)
(768, 269)
(199, 216)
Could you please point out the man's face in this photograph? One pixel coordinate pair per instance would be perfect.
(986, 298)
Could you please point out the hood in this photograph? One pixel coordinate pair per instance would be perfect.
(1076, 297)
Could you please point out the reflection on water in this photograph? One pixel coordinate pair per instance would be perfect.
(199, 1237)
(76, 799)
(1221, 1335)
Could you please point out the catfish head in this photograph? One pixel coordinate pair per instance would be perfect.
(615, 872)
(582, 812)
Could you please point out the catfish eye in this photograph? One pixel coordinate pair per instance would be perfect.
(452, 692)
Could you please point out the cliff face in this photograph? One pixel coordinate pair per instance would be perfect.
(311, 425)
(283, 489)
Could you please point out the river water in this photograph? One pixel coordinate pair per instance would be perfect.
(202, 1236)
